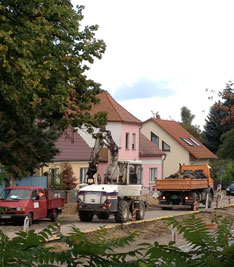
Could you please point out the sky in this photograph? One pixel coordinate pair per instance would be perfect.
(162, 55)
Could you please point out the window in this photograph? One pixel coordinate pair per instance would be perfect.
(54, 172)
(83, 173)
(153, 175)
(127, 141)
(155, 139)
(165, 146)
(186, 141)
(133, 141)
(195, 142)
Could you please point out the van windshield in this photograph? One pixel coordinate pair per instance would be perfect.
(15, 194)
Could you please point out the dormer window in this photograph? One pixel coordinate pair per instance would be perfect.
(194, 141)
(186, 141)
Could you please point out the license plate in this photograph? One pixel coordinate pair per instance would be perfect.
(5, 216)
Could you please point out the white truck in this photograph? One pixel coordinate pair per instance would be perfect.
(121, 193)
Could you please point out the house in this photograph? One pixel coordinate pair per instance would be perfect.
(178, 144)
(125, 130)
(73, 150)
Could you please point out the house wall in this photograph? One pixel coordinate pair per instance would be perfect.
(114, 127)
(147, 163)
(76, 166)
(130, 153)
(177, 154)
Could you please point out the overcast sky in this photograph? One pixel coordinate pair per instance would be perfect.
(163, 54)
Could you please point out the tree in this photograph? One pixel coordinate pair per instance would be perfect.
(214, 129)
(44, 54)
(69, 181)
(187, 118)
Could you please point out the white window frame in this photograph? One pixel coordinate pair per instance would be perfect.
(83, 175)
(153, 174)
(133, 141)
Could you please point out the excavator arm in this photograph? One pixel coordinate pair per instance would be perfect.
(111, 174)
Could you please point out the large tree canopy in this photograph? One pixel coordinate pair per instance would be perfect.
(44, 53)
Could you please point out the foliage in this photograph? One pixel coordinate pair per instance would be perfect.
(3, 174)
(226, 150)
(68, 179)
(187, 118)
(44, 54)
(220, 124)
(207, 248)
(214, 129)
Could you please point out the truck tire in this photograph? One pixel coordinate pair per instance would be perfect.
(103, 215)
(210, 200)
(140, 210)
(122, 215)
(54, 216)
(86, 216)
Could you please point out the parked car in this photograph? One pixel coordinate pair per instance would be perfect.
(230, 189)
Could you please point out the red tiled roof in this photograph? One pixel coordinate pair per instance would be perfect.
(148, 149)
(175, 130)
(72, 148)
(115, 112)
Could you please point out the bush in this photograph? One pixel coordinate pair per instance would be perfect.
(208, 248)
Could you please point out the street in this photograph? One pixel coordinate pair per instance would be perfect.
(73, 220)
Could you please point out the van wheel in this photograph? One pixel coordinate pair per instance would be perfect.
(86, 216)
(140, 210)
(122, 215)
(54, 216)
(103, 215)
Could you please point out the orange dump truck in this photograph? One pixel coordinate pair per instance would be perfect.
(190, 186)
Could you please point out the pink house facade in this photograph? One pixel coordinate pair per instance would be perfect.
(133, 146)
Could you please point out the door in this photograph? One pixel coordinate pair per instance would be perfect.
(39, 204)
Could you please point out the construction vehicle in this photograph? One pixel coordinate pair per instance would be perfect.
(191, 186)
(121, 193)
(34, 202)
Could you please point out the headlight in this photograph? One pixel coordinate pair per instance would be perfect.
(19, 209)
(227, 189)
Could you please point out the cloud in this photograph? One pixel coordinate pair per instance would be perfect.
(143, 89)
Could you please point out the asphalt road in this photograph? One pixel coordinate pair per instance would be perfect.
(73, 219)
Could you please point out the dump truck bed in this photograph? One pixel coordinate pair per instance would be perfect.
(181, 184)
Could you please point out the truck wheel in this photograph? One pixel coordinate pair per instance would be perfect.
(210, 200)
(86, 216)
(122, 215)
(54, 216)
(103, 215)
(140, 210)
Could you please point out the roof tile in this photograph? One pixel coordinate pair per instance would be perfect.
(72, 147)
(148, 149)
(175, 130)
(115, 112)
